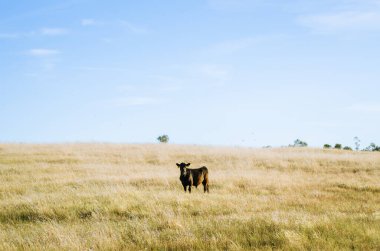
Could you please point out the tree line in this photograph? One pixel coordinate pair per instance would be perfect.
(299, 143)
(371, 148)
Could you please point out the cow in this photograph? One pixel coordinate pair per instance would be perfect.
(193, 177)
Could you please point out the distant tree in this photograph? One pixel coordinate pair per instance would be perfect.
(299, 143)
(326, 146)
(372, 148)
(357, 143)
(347, 148)
(369, 148)
(163, 138)
(338, 146)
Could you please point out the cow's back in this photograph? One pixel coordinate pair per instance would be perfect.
(199, 175)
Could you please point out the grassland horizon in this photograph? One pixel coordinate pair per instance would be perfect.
(85, 196)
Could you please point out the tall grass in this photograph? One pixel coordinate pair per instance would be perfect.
(112, 197)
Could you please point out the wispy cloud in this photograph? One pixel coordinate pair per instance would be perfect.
(342, 21)
(33, 33)
(134, 28)
(92, 68)
(231, 46)
(53, 31)
(167, 83)
(203, 75)
(241, 44)
(234, 5)
(134, 101)
(47, 9)
(89, 22)
(365, 108)
(16, 35)
(8, 35)
(107, 40)
(322, 124)
(214, 71)
(42, 52)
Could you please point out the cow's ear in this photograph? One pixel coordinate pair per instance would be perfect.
(177, 164)
(188, 164)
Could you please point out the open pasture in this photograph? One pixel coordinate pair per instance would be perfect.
(112, 197)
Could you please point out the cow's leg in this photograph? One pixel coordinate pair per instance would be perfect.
(190, 189)
(205, 186)
(184, 187)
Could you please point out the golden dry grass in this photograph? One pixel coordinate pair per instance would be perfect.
(112, 197)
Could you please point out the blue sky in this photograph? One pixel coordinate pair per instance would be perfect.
(213, 72)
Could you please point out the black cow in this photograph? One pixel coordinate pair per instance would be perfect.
(193, 177)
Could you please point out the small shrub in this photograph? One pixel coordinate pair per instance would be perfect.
(163, 138)
(347, 148)
(326, 146)
(338, 146)
(299, 143)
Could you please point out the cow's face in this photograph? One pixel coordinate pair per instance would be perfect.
(183, 167)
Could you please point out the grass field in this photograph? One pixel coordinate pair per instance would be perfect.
(112, 197)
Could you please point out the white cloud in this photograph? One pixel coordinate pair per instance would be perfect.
(240, 44)
(235, 5)
(89, 22)
(53, 31)
(121, 23)
(231, 46)
(41, 32)
(342, 21)
(202, 75)
(42, 52)
(134, 28)
(91, 68)
(134, 101)
(17, 35)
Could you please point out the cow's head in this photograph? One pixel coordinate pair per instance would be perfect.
(183, 167)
